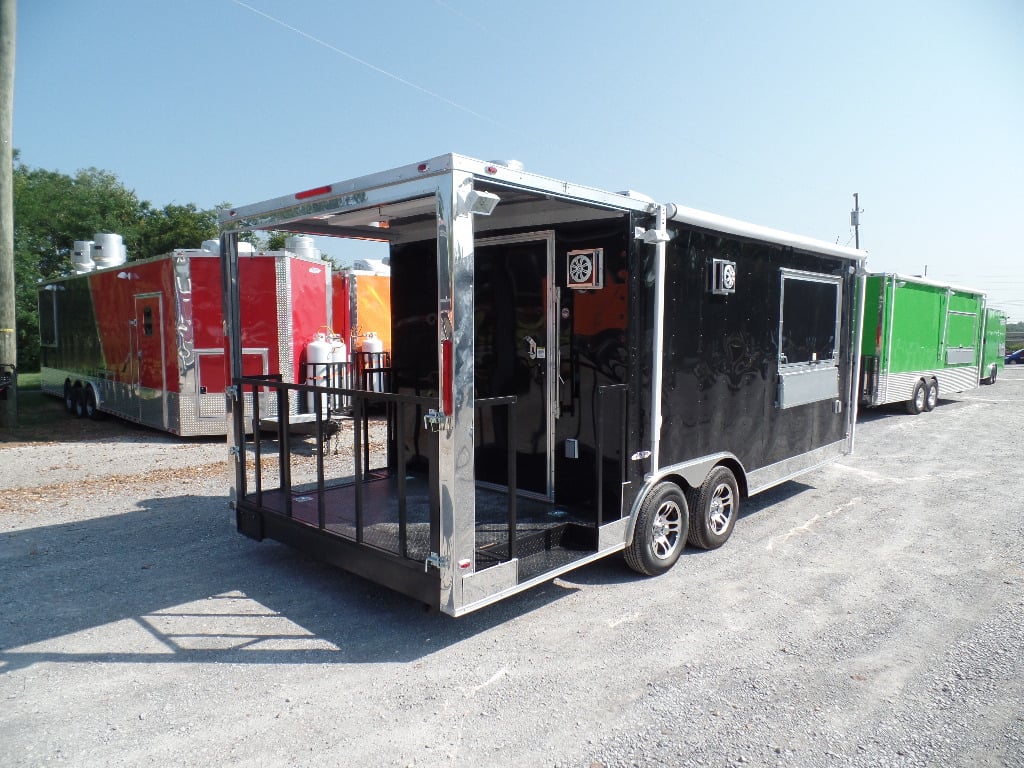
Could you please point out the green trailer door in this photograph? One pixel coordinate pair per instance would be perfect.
(993, 348)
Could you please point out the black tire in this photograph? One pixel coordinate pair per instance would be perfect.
(917, 399)
(661, 530)
(92, 409)
(931, 395)
(714, 508)
(78, 395)
(69, 399)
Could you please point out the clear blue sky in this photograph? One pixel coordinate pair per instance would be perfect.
(774, 113)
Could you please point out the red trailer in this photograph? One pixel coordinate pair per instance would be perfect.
(144, 340)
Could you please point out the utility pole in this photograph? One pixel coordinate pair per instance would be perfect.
(8, 338)
(855, 221)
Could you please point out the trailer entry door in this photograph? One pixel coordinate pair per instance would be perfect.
(516, 355)
(149, 372)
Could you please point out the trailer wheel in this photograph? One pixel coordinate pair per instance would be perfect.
(917, 400)
(661, 528)
(932, 395)
(69, 398)
(715, 506)
(92, 409)
(78, 395)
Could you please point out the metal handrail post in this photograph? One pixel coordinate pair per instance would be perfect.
(284, 449)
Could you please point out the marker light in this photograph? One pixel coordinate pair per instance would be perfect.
(315, 192)
(446, 377)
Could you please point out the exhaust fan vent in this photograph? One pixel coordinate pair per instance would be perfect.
(585, 269)
(723, 277)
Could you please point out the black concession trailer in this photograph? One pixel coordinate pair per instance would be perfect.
(573, 373)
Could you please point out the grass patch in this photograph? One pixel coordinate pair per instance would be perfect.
(30, 380)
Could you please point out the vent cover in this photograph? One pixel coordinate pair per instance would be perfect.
(723, 277)
(584, 269)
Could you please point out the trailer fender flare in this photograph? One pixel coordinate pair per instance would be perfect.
(89, 384)
(687, 475)
(90, 388)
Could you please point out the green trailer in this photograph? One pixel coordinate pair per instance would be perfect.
(919, 338)
(993, 350)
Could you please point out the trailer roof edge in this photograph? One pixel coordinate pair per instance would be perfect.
(927, 281)
(291, 207)
(732, 226)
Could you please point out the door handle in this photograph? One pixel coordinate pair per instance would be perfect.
(531, 347)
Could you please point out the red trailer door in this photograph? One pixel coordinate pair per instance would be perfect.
(149, 372)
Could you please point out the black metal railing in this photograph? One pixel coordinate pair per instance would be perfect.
(398, 409)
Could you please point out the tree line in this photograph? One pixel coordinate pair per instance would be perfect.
(52, 210)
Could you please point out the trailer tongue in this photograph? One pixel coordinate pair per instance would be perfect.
(572, 373)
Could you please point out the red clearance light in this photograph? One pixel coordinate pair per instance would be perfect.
(316, 191)
(491, 169)
(422, 167)
(447, 376)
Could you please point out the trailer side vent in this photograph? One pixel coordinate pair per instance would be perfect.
(723, 277)
(585, 269)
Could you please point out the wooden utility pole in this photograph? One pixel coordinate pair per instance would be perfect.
(8, 337)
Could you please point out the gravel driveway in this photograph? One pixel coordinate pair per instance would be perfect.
(869, 614)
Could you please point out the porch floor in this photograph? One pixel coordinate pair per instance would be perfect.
(547, 535)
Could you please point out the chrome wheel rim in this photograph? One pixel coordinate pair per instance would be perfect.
(667, 525)
(722, 506)
(933, 397)
(919, 399)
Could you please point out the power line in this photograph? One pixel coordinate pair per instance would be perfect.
(373, 67)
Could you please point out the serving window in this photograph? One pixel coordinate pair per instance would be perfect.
(809, 317)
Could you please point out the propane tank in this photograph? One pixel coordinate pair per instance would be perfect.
(318, 355)
(339, 370)
(324, 358)
(372, 348)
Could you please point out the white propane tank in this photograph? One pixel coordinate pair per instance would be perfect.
(318, 354)
(81, 257)
(339, 371)
(372, 347)
(324, 358)
(108, 250)
(213, 246)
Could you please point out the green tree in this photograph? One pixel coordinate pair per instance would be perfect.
(276, 241)
(174, 226)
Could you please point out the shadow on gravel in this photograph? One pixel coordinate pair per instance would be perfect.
(174, 582)
(42, 419)
(899, 410)
(612, 570)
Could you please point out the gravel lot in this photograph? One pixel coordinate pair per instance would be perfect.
(870, 614)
